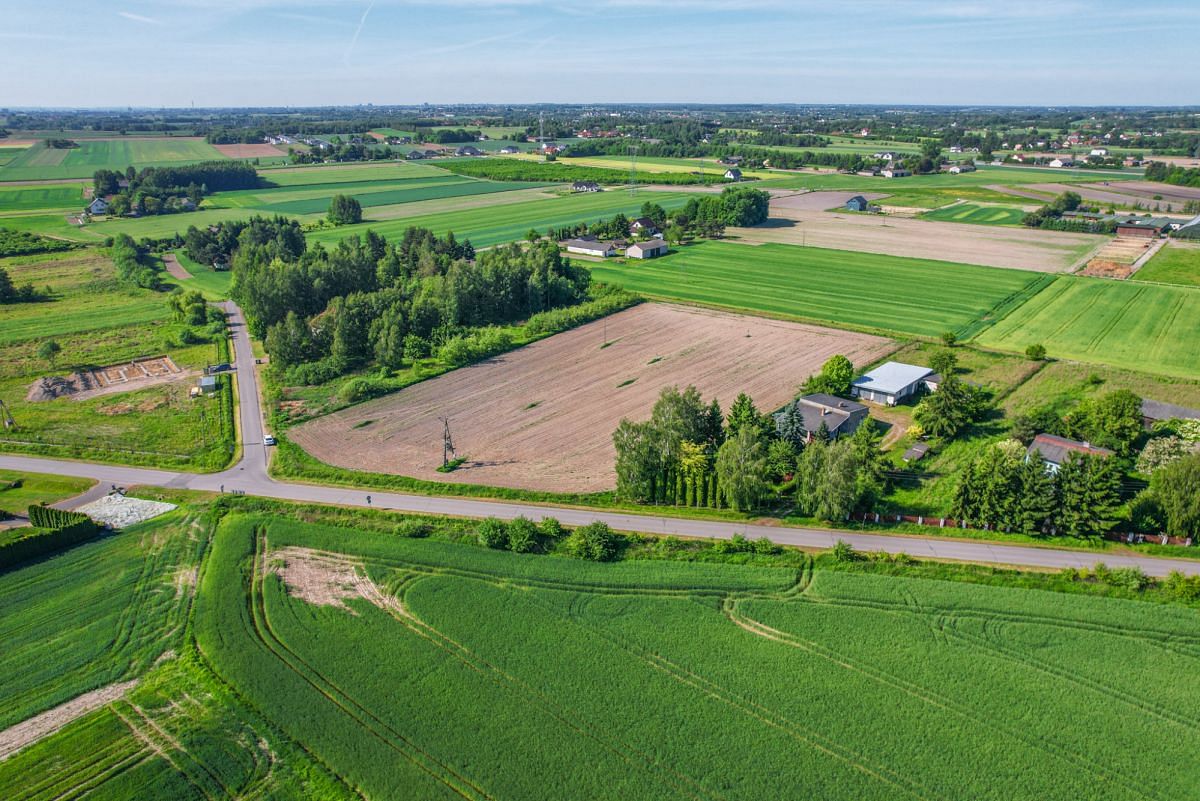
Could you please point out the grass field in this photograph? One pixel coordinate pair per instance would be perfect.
(213, 284)
(36, 488)
(981, 177)
(979, 215)
(97, 321)
(842, 686)
(861, 290)
(40, 162)
(341, 173)
(1139, 326)
(31, 198)
(1173, 264)
(493, 225)
(431, 190)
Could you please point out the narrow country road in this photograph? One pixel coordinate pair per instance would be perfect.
(249, 475)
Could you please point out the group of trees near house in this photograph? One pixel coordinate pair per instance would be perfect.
(162, 190)
(1051, 217)
(134, 266)
(707, 216)
(690, 454)
(235, 136)
(1112, 420)
(216, 244)
(324, 312)
(1172, 174)
(1003, 489)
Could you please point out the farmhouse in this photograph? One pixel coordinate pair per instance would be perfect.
(838, 415)
(1157, 412)
(870, 172)
(895, 172)
(586, 186)
(1062, 161)
(98, 206)
(1054, 450)
(590, 247)
(468, 150)
(650, 249)
(731, 161)
(508, 150)
(857, 203)
(733, 174)
(413, 155)
(960, 168)
(892, 382)
(643, 225)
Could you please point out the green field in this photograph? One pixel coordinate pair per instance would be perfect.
(858, 290)
(976, 214)
(493, 225)
(1139, 326)
(19, 490)
(982, 176)
(97, 321)
(213, 284)
(422, 189)
(1174, 264)
(341, 173)
(40, 162)
(32, 198)
(289, 660)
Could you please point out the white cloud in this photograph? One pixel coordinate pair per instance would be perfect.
(138, 18)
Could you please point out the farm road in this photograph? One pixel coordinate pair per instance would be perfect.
(249, 475)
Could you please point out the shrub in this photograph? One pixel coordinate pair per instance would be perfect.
(1035, 352)
(1184, 588)
(522, 535)
(844, 552)
(595, 541)
(1131, 578)
(551, 528)
(413, 529)
(360, 389)
(735, 544)
(492, 534)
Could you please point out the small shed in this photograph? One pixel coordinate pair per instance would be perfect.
(916, 453)
(857, 203)
(207, 383)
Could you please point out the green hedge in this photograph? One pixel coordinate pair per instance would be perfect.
(53, 530)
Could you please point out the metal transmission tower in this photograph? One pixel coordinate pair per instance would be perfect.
(447, 442)
(633, 151)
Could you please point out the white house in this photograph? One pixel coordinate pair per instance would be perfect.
(98, 206)
(733, 174)
(1063, 161)
(895, 172)
(1102, 152)
(590, 247)
(586, 186)
(892, 382)
(960, 168)
(650, 249)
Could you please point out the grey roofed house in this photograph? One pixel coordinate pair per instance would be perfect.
(857, 203)
(1156, 411)
(649, 249)
(1190, 229)
(840, 417)
(892, 382)
(415, 154)
(1054, 450)
(585, 186)
(643, 224)
(468, 150)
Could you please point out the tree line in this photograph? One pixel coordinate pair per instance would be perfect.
(162, 190)
(705, 216)
(1050, 216)
(1172, 174)
(502, 169)
(134, 265)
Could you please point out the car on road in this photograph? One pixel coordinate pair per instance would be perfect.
(268, 439)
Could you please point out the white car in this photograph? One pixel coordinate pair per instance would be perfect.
(268, 439)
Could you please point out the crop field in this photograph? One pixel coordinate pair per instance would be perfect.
(49, 196)
(1173, 264)
(831, 685)
(664, 164)
(981, 177)
(116, 154)
(976, 214)
(97, 321)
(342, 173)
(918, 297)
(794, 221)
(492, 225)
(420, 189)
(1139, 326)
(542, 417)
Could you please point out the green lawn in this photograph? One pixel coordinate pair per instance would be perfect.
(976, 214)
(486, 226)
(40, 162)
(1139, 326)
(32, 198)
(213, 284)
(36, 488)
(1174, 264)
(861, 290)
(493, 674)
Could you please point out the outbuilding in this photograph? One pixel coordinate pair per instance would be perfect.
(590, 247)
(892, 382)
(650, 249)
(857, 203)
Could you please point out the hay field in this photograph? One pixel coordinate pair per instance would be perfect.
(1139, 326)
(986, 245)
(542, 417)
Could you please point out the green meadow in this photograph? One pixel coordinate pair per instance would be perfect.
(856, 290)
(977, 215)
(40, 162)
(1173, 264)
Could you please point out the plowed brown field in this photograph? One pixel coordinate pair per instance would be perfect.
(542, 417)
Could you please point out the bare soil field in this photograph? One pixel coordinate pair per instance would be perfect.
(542, 417)
(174, 268)
(987, 245)
(1127, 193)
(250, 151)
(820, 201)
(96, 381)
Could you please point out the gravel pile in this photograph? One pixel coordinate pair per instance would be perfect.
(118, 511)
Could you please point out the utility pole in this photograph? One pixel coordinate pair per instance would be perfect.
(447, 442)
(633, 151)
(6, 416)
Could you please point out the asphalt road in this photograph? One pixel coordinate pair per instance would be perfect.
(249, 475)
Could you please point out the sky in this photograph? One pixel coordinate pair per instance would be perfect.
(208, 53)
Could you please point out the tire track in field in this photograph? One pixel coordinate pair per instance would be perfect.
(155, 742)
(86, 787)
(100, 761)
(424, 761)
(933, 698)
(395, 606)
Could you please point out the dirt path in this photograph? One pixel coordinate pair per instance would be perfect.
(175, 268)
(30, 731)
